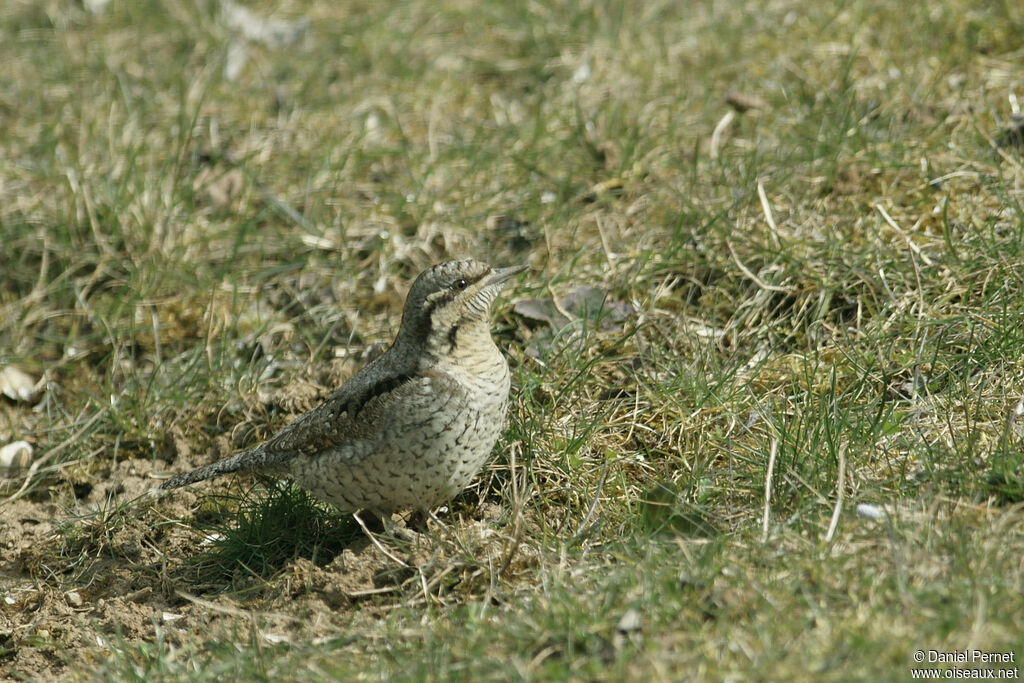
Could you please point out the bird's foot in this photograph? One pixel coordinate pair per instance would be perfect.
(381, 521)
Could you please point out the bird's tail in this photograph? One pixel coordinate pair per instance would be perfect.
(242, 461)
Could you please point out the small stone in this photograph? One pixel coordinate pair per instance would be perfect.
(870, 511)
(16, 455)
(628, 622)
(16, 384)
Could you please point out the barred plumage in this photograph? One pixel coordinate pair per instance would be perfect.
(413, 427)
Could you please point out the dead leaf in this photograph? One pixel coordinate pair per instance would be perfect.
(583, 302)
(743, 102)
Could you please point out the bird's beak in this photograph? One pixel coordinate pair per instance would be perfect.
(498, 276)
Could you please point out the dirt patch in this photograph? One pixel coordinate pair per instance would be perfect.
(85, 565)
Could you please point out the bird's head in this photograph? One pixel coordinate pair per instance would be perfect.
(450, 299)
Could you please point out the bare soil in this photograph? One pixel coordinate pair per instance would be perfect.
(77, 576)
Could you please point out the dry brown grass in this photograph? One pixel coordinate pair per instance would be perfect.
(188, 260)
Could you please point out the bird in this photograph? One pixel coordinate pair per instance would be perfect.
(412, 428)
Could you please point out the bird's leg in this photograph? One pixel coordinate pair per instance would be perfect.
(382, 520)
(418, 520)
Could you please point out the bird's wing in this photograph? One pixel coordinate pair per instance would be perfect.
(370, 412)
(340, 424)
(359, 418)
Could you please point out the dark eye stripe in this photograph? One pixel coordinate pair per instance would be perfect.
(449, 294)
(444, 297)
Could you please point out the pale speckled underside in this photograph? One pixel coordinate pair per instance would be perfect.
(410, 429)
(427, 439)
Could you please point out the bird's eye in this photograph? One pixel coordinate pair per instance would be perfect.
(460, 284)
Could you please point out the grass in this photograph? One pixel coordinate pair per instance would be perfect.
(188, 261)
(259, 535)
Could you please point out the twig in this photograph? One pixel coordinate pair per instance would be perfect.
(54, 451)
(373, 539)
(233, 611)
(772, 452)
(604, 242)
(593, 504)
(768, 217)
(636, 413)
(839, 496)
(906, 238)
(746, 271)
(720, 128)
(423, 584)
(370, 591)
(558, 305)
(517, 507)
